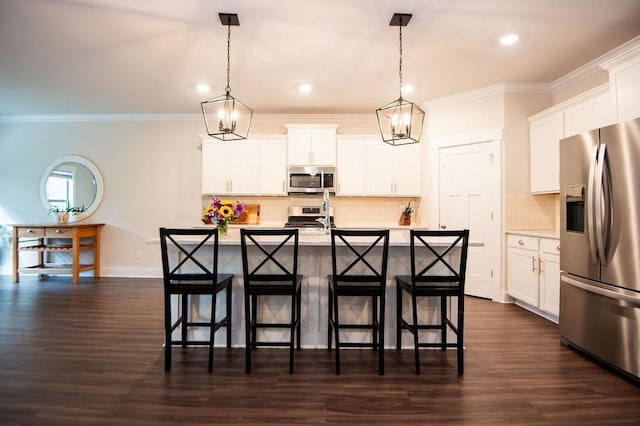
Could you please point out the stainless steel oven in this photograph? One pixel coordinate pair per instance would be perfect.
(312, 179)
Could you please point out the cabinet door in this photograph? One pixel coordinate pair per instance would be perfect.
(550, 275)
(323, 147)
(407, 170)
(351, 165)
(273, 166)
(627, 86)
(215, 166)
(243, 167)
(588, 115)
(523, 275)
(380, 168)
(298, 147)
(545, 135)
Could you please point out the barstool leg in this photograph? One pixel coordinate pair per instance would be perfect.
(254, 320)
(336, 329)
(381, 331)
(212, 327)
(414, 329)
(229, 300)
(167, 332)
(398, 316)
(299, 317)
(461, 335)
(443, 322)
(292, 330)
(375, 322)
(185, 318)
(247, 331)
(330, 316)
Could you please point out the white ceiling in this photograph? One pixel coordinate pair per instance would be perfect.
(146, 56)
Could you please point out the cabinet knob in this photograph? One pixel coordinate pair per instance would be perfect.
(30, 231)
(558, 247)
(443, 226)
(59, 231)
(521, 242)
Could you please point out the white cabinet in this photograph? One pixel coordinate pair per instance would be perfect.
(311, 144)
(392, 170)
(587, 111)
(351, 151)
(229, 167)
(534, 273)
(549, 268)
(544, 135)
(272, 164)
(624, 81)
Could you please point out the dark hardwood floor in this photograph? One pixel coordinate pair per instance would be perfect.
(92, 354)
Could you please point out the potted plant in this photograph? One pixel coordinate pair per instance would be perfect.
(62, 214)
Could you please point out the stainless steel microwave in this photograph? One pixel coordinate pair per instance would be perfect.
(312, 179)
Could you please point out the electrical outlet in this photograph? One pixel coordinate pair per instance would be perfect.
(137, 254)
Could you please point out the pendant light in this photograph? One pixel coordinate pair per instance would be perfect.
(225, 117)
(400, 121)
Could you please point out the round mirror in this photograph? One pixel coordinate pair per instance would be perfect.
(72, 184)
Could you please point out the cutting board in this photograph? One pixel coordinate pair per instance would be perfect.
(250, 215)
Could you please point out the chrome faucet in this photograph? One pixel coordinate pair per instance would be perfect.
(326, 221)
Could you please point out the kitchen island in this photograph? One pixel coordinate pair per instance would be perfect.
(314, 262)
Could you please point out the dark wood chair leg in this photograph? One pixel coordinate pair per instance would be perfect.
(336, 329)
(292, 330)
(229, 303)
(443, 322)
(414, 330)
(398, 316)
(374, 322)
(167, 332)
(212, 328)
(184, 298)
(381, 331)
(330, 317)
(254, 320)
(299, 318)
(247, 332)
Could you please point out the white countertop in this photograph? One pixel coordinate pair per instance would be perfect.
(540, 234)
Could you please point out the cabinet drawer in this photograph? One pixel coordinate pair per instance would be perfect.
(548, 245)
(30, 232)
(59, 232)
(522, 241)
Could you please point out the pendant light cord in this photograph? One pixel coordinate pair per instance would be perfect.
(228, 88)
(400, 66)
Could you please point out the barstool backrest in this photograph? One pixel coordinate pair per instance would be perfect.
(269, 254)
(189, 255)
(359, 255)
(439, 256)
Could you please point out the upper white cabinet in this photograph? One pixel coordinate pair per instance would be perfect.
(587, 111)
(272, 164)
(351, 165)
(544, 136)
(229, 167)
(624, 81)
(311, 144)
(392, 170)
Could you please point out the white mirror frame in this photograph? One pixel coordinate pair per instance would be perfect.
(96, 174)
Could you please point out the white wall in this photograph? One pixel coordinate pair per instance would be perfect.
(152, 175)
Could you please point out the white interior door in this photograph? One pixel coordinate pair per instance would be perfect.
(469, 188)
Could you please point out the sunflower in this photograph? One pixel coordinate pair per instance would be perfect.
(225, 211)
(209, 211)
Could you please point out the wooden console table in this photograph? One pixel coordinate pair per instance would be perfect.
(57, 238)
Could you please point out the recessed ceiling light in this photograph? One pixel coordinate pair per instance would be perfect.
(203, 88)
(406, 88)
(509, 39)
(305, 88)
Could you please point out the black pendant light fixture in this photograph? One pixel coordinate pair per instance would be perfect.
(400, 121)
(225, 117)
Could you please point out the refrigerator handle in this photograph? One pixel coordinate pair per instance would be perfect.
(590, 206)
(599, 204)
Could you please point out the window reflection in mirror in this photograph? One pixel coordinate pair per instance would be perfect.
(72, 183)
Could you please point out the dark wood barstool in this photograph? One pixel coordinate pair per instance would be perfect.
(359, 268)
(189, 268)
(270, 267)
(438, 269)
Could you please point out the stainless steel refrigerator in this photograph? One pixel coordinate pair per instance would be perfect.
(600, 245)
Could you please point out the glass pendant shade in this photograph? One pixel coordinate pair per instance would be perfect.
(400, 122)
(226, 118)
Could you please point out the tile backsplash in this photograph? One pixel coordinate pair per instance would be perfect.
(539, 212)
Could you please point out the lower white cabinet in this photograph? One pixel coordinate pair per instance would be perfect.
(534, 273)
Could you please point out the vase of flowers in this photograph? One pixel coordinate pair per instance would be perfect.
(220, 212)
(62, 214)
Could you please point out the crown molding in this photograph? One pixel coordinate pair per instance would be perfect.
(494, 90)
(136, 117)
(613, 57)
